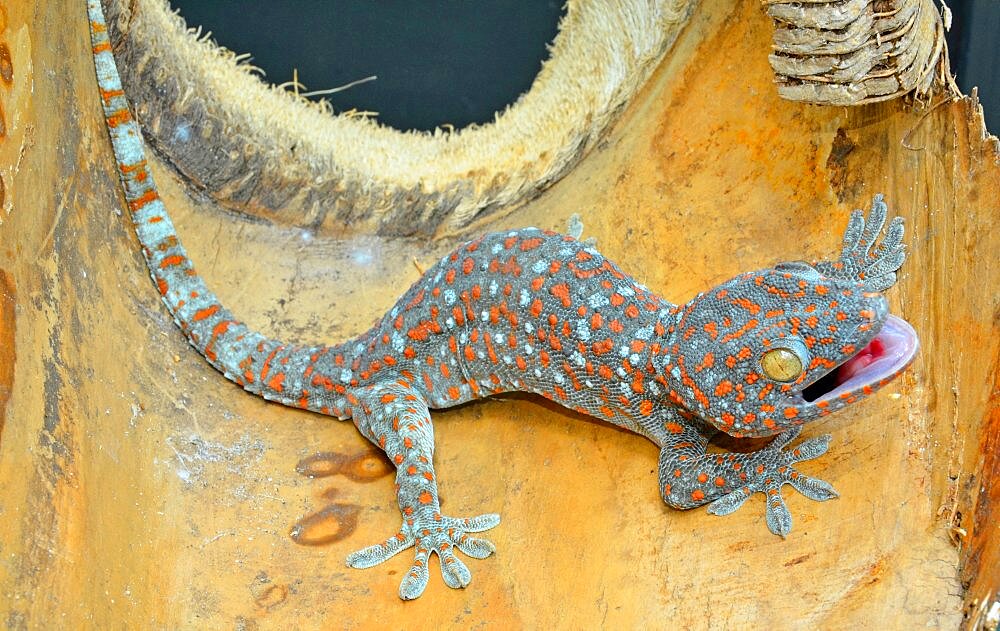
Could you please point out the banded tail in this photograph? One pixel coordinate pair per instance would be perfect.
(244, 356)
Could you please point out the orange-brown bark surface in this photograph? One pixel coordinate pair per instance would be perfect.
(138, 488)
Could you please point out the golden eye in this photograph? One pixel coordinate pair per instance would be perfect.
(781, 364)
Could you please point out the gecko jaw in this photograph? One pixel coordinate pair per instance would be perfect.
(884, 357)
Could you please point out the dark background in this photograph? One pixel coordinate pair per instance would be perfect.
(456, 62)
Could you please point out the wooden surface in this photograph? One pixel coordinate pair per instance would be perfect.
(139, 489)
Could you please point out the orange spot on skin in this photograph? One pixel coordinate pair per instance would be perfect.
(561, 291)
(207, 312)
(697, 495)
(603, 346)
(276, 382)
(169, 261)
(725, 387)
(137, 203)
(425, 498)
(120, 117)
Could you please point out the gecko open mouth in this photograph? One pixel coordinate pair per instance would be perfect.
(889, 352)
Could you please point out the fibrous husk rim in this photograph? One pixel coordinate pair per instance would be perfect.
(264, 151)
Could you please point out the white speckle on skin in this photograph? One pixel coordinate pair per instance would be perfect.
(598, 300)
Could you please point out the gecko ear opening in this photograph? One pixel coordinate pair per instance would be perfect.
(295, 162)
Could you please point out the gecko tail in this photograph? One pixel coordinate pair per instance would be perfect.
(240, 353)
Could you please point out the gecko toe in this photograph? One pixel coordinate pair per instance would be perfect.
(480, 522)
(416, 578)
(454, 572)
(373, 555)
(779, 519)
(730, 503)
(813, 488)
(437, 535)
(812, 448)
(475, 547)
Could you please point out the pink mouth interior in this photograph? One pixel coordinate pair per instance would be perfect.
(885, 356)
(859, 362)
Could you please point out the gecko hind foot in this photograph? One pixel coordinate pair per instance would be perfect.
(439, 536)
(776, 471)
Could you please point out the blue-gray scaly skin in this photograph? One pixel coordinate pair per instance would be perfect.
(530, 310)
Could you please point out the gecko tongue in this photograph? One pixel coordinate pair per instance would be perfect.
(883, 358)
(856, 364)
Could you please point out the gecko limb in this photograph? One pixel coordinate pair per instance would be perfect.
(690, 477)
(395, 417)
(861, 259)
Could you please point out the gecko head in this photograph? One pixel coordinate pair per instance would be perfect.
(772, 349)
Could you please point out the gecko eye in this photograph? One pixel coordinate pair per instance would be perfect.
(783, 364)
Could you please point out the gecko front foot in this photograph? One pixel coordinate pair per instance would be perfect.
(438, 535)
(772, 468)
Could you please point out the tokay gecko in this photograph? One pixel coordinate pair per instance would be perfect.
(534, 311)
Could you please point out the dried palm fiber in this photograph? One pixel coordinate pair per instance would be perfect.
(848, 52)
(263, 151)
